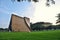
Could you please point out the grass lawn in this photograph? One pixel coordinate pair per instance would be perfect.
(41, 35)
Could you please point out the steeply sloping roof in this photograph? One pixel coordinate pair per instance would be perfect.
(25, 21)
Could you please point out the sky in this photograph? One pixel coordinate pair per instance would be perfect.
(37, 12)
(46, 14)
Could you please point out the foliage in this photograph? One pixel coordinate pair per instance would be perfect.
(3, 29)
(58, 20)
(48, 2)
(39, 26)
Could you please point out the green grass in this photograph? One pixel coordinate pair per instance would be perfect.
(41, 35)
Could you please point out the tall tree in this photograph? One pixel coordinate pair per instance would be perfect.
(58, 20)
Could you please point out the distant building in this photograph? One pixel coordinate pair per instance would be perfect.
(46, 24)
(19, 24)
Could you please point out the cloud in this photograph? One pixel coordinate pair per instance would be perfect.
(43, 13)
(30, 11)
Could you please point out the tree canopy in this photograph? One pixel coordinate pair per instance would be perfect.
(47, 1)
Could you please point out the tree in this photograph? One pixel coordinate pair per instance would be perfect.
(37, 26)
(58, 20)
(47, 1)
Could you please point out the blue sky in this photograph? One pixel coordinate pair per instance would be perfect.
(7, 7)
(37, 12)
